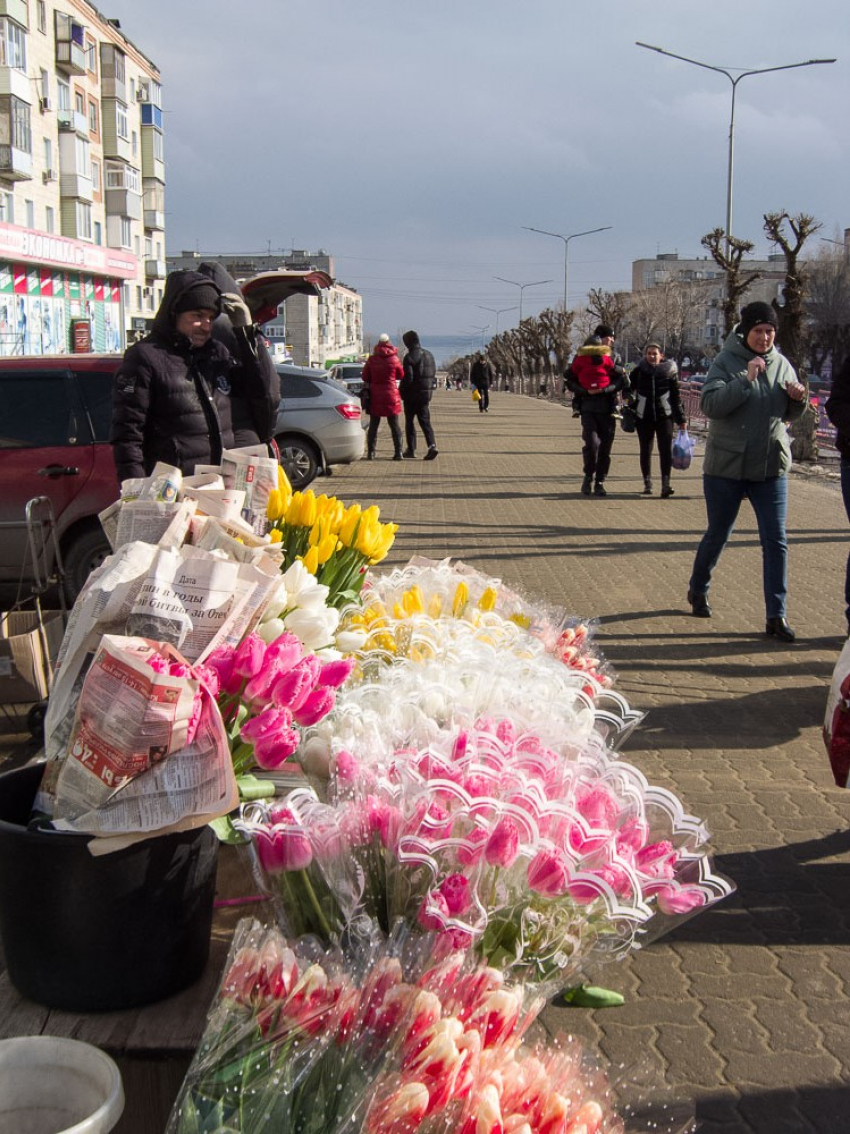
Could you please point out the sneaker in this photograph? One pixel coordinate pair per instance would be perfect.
(617, 416)
(647, 486)
(576, 413)
(599, 489)
(432, 453)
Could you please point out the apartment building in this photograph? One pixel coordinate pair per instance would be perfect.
(708, 282)
(82, 181)
(312, 330)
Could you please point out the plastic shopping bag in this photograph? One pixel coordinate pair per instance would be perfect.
(836, 725)
(476, 396)
(683, 449)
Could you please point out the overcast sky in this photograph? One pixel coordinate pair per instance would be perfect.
(412, 141)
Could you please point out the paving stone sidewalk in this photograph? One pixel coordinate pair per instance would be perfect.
(745, 1008)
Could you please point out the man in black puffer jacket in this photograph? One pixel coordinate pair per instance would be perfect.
(172, 395)
(416, 388)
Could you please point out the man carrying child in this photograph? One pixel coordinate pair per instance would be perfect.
(595, 377)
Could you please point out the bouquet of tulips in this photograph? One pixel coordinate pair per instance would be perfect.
(301, 1040)
(335, 543)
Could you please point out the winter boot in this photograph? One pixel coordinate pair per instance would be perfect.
(397, 455)
(647, 486)
(599, 489)
(666, 487)
(586, 486)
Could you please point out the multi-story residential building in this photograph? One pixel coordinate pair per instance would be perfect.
(708, 282)
(314, 330)
(82, 180)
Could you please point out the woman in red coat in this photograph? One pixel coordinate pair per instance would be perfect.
(381, 376)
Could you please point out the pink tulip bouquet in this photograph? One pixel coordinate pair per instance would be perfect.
(301, 1040)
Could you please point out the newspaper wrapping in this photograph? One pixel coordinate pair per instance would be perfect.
(149, 751)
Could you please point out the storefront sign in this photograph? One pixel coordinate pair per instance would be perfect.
(29, 246)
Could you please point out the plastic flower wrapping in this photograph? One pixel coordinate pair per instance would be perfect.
(381, 1041)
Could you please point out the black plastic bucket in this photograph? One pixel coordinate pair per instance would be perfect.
(99, 934)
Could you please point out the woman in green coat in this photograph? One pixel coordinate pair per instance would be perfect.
(750, 393)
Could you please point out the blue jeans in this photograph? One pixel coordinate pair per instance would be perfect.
(769, 499)
(845, 492)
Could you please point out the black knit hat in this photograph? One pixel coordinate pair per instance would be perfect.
(753, 314)
(410, 339)
(603, 331)
(202, 295)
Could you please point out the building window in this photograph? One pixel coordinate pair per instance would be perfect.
(82, 152)
(136, 246)
(157, 146)
(98, 232)
(63, 95)
(49, 219)
(91, 56)
(41, 16)
(138, 297)
(122, 127)
(19, 114)
(93, 117)
(44, 84)
(13, 45)
(126, 233)
(83, 211)
(148, 248)
(7, 207)
(48, 152)
(30, 208)
(95, 176)
(132, 90)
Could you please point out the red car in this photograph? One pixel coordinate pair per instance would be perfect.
(55, 414)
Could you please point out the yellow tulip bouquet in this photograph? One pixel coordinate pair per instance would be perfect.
(335, 543)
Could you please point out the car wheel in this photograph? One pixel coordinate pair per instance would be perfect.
(299, 459)
(85, 551)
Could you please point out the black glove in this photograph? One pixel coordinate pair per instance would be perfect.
(236, 309)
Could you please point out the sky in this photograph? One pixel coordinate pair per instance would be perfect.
(413, 142)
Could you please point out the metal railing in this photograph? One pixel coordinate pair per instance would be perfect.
(690, 392)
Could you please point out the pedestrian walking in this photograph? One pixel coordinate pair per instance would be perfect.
(381, 375)
(838, 412)
(481, 379)
(416, 387)
(596, 380)
(173, 390)
(654, 396)
(750, 392)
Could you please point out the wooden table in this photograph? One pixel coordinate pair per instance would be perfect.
(152, 1046)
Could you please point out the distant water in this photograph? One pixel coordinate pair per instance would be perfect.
(446, 347)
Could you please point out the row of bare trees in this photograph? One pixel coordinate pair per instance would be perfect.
(813, 316)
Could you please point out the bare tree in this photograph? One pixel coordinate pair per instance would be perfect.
(789, 317)
(607, 306)
(556, 327)
(827, 305)
(737, 281)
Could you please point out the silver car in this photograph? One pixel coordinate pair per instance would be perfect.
(350, 374)
(318, 424)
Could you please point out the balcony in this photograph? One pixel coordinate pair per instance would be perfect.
(70, 45)
(15, 82)
(72, 122)
(151, 115)
(75, 185)
(153, 165)
(155, 219)
(15, 165)
(16, 10)
(155, 269)
(124, 203)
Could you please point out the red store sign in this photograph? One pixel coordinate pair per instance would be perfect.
(32, 247)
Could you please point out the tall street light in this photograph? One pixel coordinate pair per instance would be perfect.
(496, 311)
(566, 240)
(522, 287)
(744, 73)
(481, 330)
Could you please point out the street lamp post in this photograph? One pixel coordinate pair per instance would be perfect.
(522, 287)
(496, 311)
(566, 240)
(481, 330)
(744, 73)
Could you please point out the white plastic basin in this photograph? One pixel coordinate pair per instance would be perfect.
(57, 1086)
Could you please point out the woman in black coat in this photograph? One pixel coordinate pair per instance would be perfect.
(657, 405)
(172, 395)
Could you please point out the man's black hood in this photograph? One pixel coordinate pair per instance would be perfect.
(222, 328)
(176, 285)
(410, 339)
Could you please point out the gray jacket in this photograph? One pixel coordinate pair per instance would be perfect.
(747, 438)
